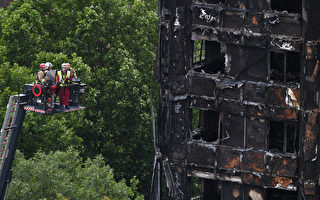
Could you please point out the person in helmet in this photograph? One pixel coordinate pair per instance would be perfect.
(63, 80)
(73, 72)
(41, 74)
(48, 66)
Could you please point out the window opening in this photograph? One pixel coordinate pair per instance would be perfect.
(196, 188)
(198, 51)
(233, 130)
(293, 67)
(211, 189)
(195, 118)
(214, 1)
(291, 6)
(283, 137)
(277, 67)
(206, 125)
(232, 191)
(276, 194)
(210, 1)
(208, 56)
(285, 67)
(204, 189)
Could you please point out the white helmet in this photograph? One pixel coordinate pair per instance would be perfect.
(48, 65)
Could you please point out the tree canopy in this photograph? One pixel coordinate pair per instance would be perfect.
(111, 44)
(62, 175)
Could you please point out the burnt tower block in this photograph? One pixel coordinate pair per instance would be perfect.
(238, 116)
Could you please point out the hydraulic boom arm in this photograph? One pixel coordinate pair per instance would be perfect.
(10, 132)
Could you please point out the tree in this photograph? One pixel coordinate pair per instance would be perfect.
(111, 43)
(22, 33)
(11, 81)
(58, 132)
(121, 53)
(63, 175)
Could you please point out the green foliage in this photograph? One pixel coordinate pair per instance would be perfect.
(49, 133)
(199, 51)
(3, 52)
(22, 33)
(63, 175)
(82, 69)
(11, 81)
(195, 118)
(58, 132)
(111, 44)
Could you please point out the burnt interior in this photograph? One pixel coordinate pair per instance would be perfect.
(285, 67)
(246, 63)
(293, 66)
(208, 125)
(205, 189)
(213, 1)
(232, 130)
(291, 6)
(283, 137)
(232, 190)
(211, 189)
(276, 194)
(208, 56)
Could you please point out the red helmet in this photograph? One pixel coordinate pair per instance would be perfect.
(68, 66)
(42, 66)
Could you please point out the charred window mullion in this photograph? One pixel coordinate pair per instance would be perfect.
(269, 66)
(201, 48)
(285, 67)
(245, 132)
(198, 52)
(285, 137)
(296, 146)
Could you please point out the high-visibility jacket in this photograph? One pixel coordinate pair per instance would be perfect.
(63, 78)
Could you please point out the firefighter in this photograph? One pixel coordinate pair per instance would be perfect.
(41, 74)
(73, 72)
(48, 66)
(63, 80)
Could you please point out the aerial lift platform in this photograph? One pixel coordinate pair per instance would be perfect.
(40, 98)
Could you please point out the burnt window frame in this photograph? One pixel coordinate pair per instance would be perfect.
(206, 187)
(293, 9)
(201, 53)
(279, 194)
(196, 181)
(198, 125)
(285, 138)
(285, 66)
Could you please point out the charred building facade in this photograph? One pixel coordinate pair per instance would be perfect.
(238, 116)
